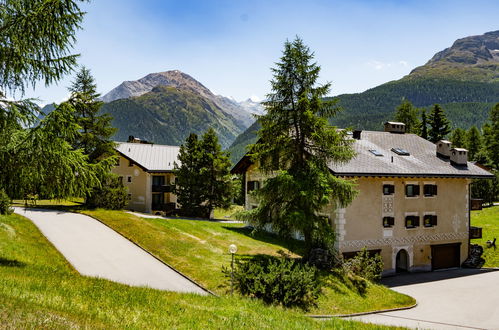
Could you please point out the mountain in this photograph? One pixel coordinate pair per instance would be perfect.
(167, 115)
(463, 78)
(181, 81)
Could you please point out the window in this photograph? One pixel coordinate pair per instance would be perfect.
(430, 190)
(376, 153)
(388, 189)
(129, 178)
(253, 185)
(388, 222)
(401, 152)
(130, 163)
(411, 221)
(129, 197)
(158, 180)
(117, 162)
(429, 220)
(412, 190)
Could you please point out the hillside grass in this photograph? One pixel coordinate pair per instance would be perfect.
(488, 219)
(39, 289)
(199, 249)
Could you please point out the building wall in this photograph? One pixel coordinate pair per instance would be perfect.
(139, 188)
(360, 224)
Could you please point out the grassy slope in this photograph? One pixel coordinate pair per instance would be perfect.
(488, 219)
(38, 289)
(199, 250)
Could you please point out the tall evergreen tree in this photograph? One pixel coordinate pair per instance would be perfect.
(493, 139)
(439, 124)
(473, 142)
(296, 143)
(96, 129)
(203, 176)
(408, 114)
(458, 138)
(424, 125)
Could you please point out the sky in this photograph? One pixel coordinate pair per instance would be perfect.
(231, 45)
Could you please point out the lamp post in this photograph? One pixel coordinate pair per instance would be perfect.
(232, 250)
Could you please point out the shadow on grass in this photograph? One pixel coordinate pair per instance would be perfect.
(11, 263)
(293, 245)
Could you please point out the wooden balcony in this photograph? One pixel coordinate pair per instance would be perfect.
(163, 188)
(166, 207)
(475, 232)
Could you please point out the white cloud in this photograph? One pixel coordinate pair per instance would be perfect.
(378, 65)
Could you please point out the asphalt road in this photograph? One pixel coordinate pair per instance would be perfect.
(96, 250)
(452, 299)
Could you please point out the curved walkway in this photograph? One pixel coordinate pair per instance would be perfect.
(98, 251)
(452, 299)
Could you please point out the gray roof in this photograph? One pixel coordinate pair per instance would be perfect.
(422, 160)
(151, 157)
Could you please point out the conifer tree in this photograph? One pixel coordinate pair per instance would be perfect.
(408, 114)
(203, 176)
(296, 143)
(473, 142)
(458, 138)
(493, 139)
(439, 124)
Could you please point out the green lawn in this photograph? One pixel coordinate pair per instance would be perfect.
(488, 219)
(199, 249)
(39, 289)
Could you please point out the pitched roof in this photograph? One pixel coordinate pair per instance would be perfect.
(421, 161)
(151, 157)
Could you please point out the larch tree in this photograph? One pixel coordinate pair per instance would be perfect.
(473, 142)
(493, 139)
(35, 42)
(408, 114)
(439, 124)
(295, 145)
(458, 138)
(423, 130)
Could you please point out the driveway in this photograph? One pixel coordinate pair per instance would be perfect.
(98, 251)
(451, 299)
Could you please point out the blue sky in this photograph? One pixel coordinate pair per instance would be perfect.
(230, 46)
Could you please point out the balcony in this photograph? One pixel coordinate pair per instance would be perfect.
(475, 232)
(163, 188)
(166, 207)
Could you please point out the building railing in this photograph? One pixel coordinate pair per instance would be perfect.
(475, 232)
(163, 188)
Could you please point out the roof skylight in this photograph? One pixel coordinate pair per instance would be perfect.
(401, 152)
(376, 153)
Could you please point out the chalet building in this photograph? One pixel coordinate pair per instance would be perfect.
(147, 171)
(413, 203)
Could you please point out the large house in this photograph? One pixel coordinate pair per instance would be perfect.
(146, 170)
(413, 203)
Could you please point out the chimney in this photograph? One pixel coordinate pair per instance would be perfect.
(443, 148)
(394, 127)
(356, 134)
(459, 156)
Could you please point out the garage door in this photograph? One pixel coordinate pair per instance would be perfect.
(445, 256)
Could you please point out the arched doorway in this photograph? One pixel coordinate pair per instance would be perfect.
(402, 261)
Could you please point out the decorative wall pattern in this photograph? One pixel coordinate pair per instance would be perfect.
(403, 240)
(387, 206)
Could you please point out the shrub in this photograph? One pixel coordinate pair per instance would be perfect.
(277, 281)
(112, 195)
(365, 265)
(5, 203)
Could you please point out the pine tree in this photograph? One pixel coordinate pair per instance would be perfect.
(473, 142)
(424, 125)
(458, 138)
(96, 129)
(493, 139)
(215, 170)
(296, 143)
(204, 180)
(439, 124)
(408, 114)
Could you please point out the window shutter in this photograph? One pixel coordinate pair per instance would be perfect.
(435, 190)
(251, 185)
(416, 190)
(392, 221)
(392, 189)
(416, 221)
(434, 219)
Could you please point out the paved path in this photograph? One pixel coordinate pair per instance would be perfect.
(453, 299)
(96, 250)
